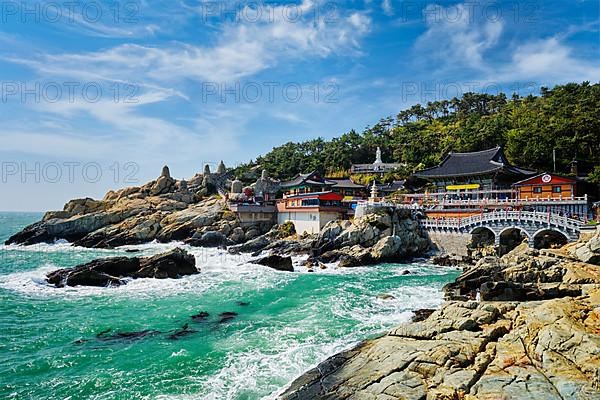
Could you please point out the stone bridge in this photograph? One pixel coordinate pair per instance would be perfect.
(530, 224)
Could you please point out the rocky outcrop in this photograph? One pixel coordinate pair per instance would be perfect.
(276, 262)
(165, 209)
(587, 251)
(387, 235)
(546, 346)
(468, 350)
(113, 271)
(524, 274)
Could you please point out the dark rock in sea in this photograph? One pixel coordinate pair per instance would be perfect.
(422, 314)
(406, 272)
(172, 264)
(201, 316)
(184, 331)
(208, 239)
(132, 251)
(276, 262)
(447, 260)
(227, 316)
(254, 246)
(243, 303)
(125, 336)
(112, 271)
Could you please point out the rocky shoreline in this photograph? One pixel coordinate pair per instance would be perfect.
(167, 210)
(534, 335)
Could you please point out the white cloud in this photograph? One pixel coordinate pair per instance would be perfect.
(386, 5)
(241, 49)
(455, 37)
(548, 60)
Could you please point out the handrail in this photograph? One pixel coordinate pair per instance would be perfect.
(525, 216)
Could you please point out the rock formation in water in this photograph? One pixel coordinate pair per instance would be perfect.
(113, 271)
(164, 209)
(536, 349)
(388, 235)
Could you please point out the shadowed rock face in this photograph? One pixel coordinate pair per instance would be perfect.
(112, 271)
(277, 262)
(524, 274)
(468, 350)
(164, 209)
(543, 349)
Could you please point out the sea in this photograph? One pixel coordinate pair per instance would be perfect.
(75, 343)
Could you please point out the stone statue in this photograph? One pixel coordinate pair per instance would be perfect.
(265, 175)
(236, 186)
(165, 172)
(206, 170)
(221, 168)
(378, 156)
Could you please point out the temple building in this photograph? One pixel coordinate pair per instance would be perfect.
(266, 188)
(555, 193)
(480, 174)
(347, 188)
(309, 201)
(309, 212)
(377, 167)
(306, 183)
(254, 203)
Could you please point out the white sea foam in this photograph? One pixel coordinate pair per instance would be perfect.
(251, 370)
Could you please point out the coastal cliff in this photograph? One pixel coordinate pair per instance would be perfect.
(164, 209)
(167, 210)
(546, 347)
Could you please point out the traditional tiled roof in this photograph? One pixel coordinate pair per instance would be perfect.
(311, 178)
(345, 183)
(475, 163)
(391, 187)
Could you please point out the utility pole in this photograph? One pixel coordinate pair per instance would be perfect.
(554, 158)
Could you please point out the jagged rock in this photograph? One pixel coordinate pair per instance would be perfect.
(276, 262)
(387, 235)
(237, 235)
(523, 274)
(208, 239)
(588, 251)
(221, 168)
(112, 271)
(537, 350)
(251, 246)
(387, 248)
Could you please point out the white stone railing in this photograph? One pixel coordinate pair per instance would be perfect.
(548, 219)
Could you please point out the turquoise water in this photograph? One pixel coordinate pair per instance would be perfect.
(286, 323)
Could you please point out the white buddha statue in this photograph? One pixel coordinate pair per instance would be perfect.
(378, 156)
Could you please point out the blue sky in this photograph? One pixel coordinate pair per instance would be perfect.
(122, 88)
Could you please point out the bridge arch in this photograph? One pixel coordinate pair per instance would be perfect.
(510, 237)
(549, 237)
(482, 236)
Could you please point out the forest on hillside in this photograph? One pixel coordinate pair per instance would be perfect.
(565, 119)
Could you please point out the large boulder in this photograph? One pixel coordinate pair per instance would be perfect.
(524, 274)
(113, 271)
(276, 262)
(588, 251)
(208, 239)
(388, 234)
(468, 350)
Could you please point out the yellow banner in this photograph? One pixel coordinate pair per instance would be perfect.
(463, 187)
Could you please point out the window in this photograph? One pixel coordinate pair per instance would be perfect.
(556, 189)
(537, 189)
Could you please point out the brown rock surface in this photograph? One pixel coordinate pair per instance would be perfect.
(490, 350)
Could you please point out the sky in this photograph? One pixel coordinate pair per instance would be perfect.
(100, 95)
